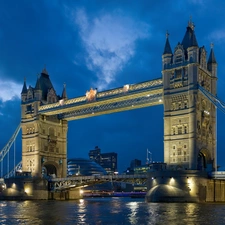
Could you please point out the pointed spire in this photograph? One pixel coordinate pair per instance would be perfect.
(38, 84)
(189, 39)
(167, 48)
(191, 24)
(44, 71)
(64, 95)
(212, 58)
(24, 90)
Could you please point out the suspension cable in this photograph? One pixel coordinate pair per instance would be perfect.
(7, 147)
(214, 99)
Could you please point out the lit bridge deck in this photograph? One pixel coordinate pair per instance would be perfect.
(60, 184)
(129, 97)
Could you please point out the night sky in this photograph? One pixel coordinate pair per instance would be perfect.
(102, 44)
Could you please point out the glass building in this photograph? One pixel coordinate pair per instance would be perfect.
(83, 167)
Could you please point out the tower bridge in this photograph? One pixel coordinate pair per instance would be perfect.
(187, 90)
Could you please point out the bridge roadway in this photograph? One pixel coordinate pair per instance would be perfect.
(60, 184)
(128, 97)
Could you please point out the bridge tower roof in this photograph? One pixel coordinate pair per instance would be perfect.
(189, 39)
(212, 58)
(64, 95)
(44, 83)
(24, 90)
(167, 48)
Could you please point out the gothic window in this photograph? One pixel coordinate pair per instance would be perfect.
(179, 151)
(185, 146)
(173, 130)
(29, 109)
(51, 96)
(185, 105)
(178, 55)
(185, 129)
(178, 74)
(185, 159)
(30, 147)
(179, 105)
(30, 94)
(174, 146)
(179, 130)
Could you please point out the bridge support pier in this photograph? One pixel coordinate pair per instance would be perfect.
(65, 195)
(184, 186)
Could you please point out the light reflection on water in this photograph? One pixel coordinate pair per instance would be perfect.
(109, 211)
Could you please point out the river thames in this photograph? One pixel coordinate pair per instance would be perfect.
(113, 211)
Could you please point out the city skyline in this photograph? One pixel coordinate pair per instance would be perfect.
(102, 45)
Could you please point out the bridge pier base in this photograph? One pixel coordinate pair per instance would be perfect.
(184, 186)
(65, 195)
(177, 186)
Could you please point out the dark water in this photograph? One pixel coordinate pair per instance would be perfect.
(114, 211)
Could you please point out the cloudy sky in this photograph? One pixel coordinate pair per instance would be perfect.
(102, 44)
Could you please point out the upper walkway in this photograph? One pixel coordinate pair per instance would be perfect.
(115, 100)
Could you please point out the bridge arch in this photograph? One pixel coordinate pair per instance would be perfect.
(50, 168)
(204, 159)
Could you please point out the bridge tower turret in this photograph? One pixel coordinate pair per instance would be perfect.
(189, 117)
(44, 146)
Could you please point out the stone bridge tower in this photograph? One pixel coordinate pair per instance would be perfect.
(44, 138)
(189, 117)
